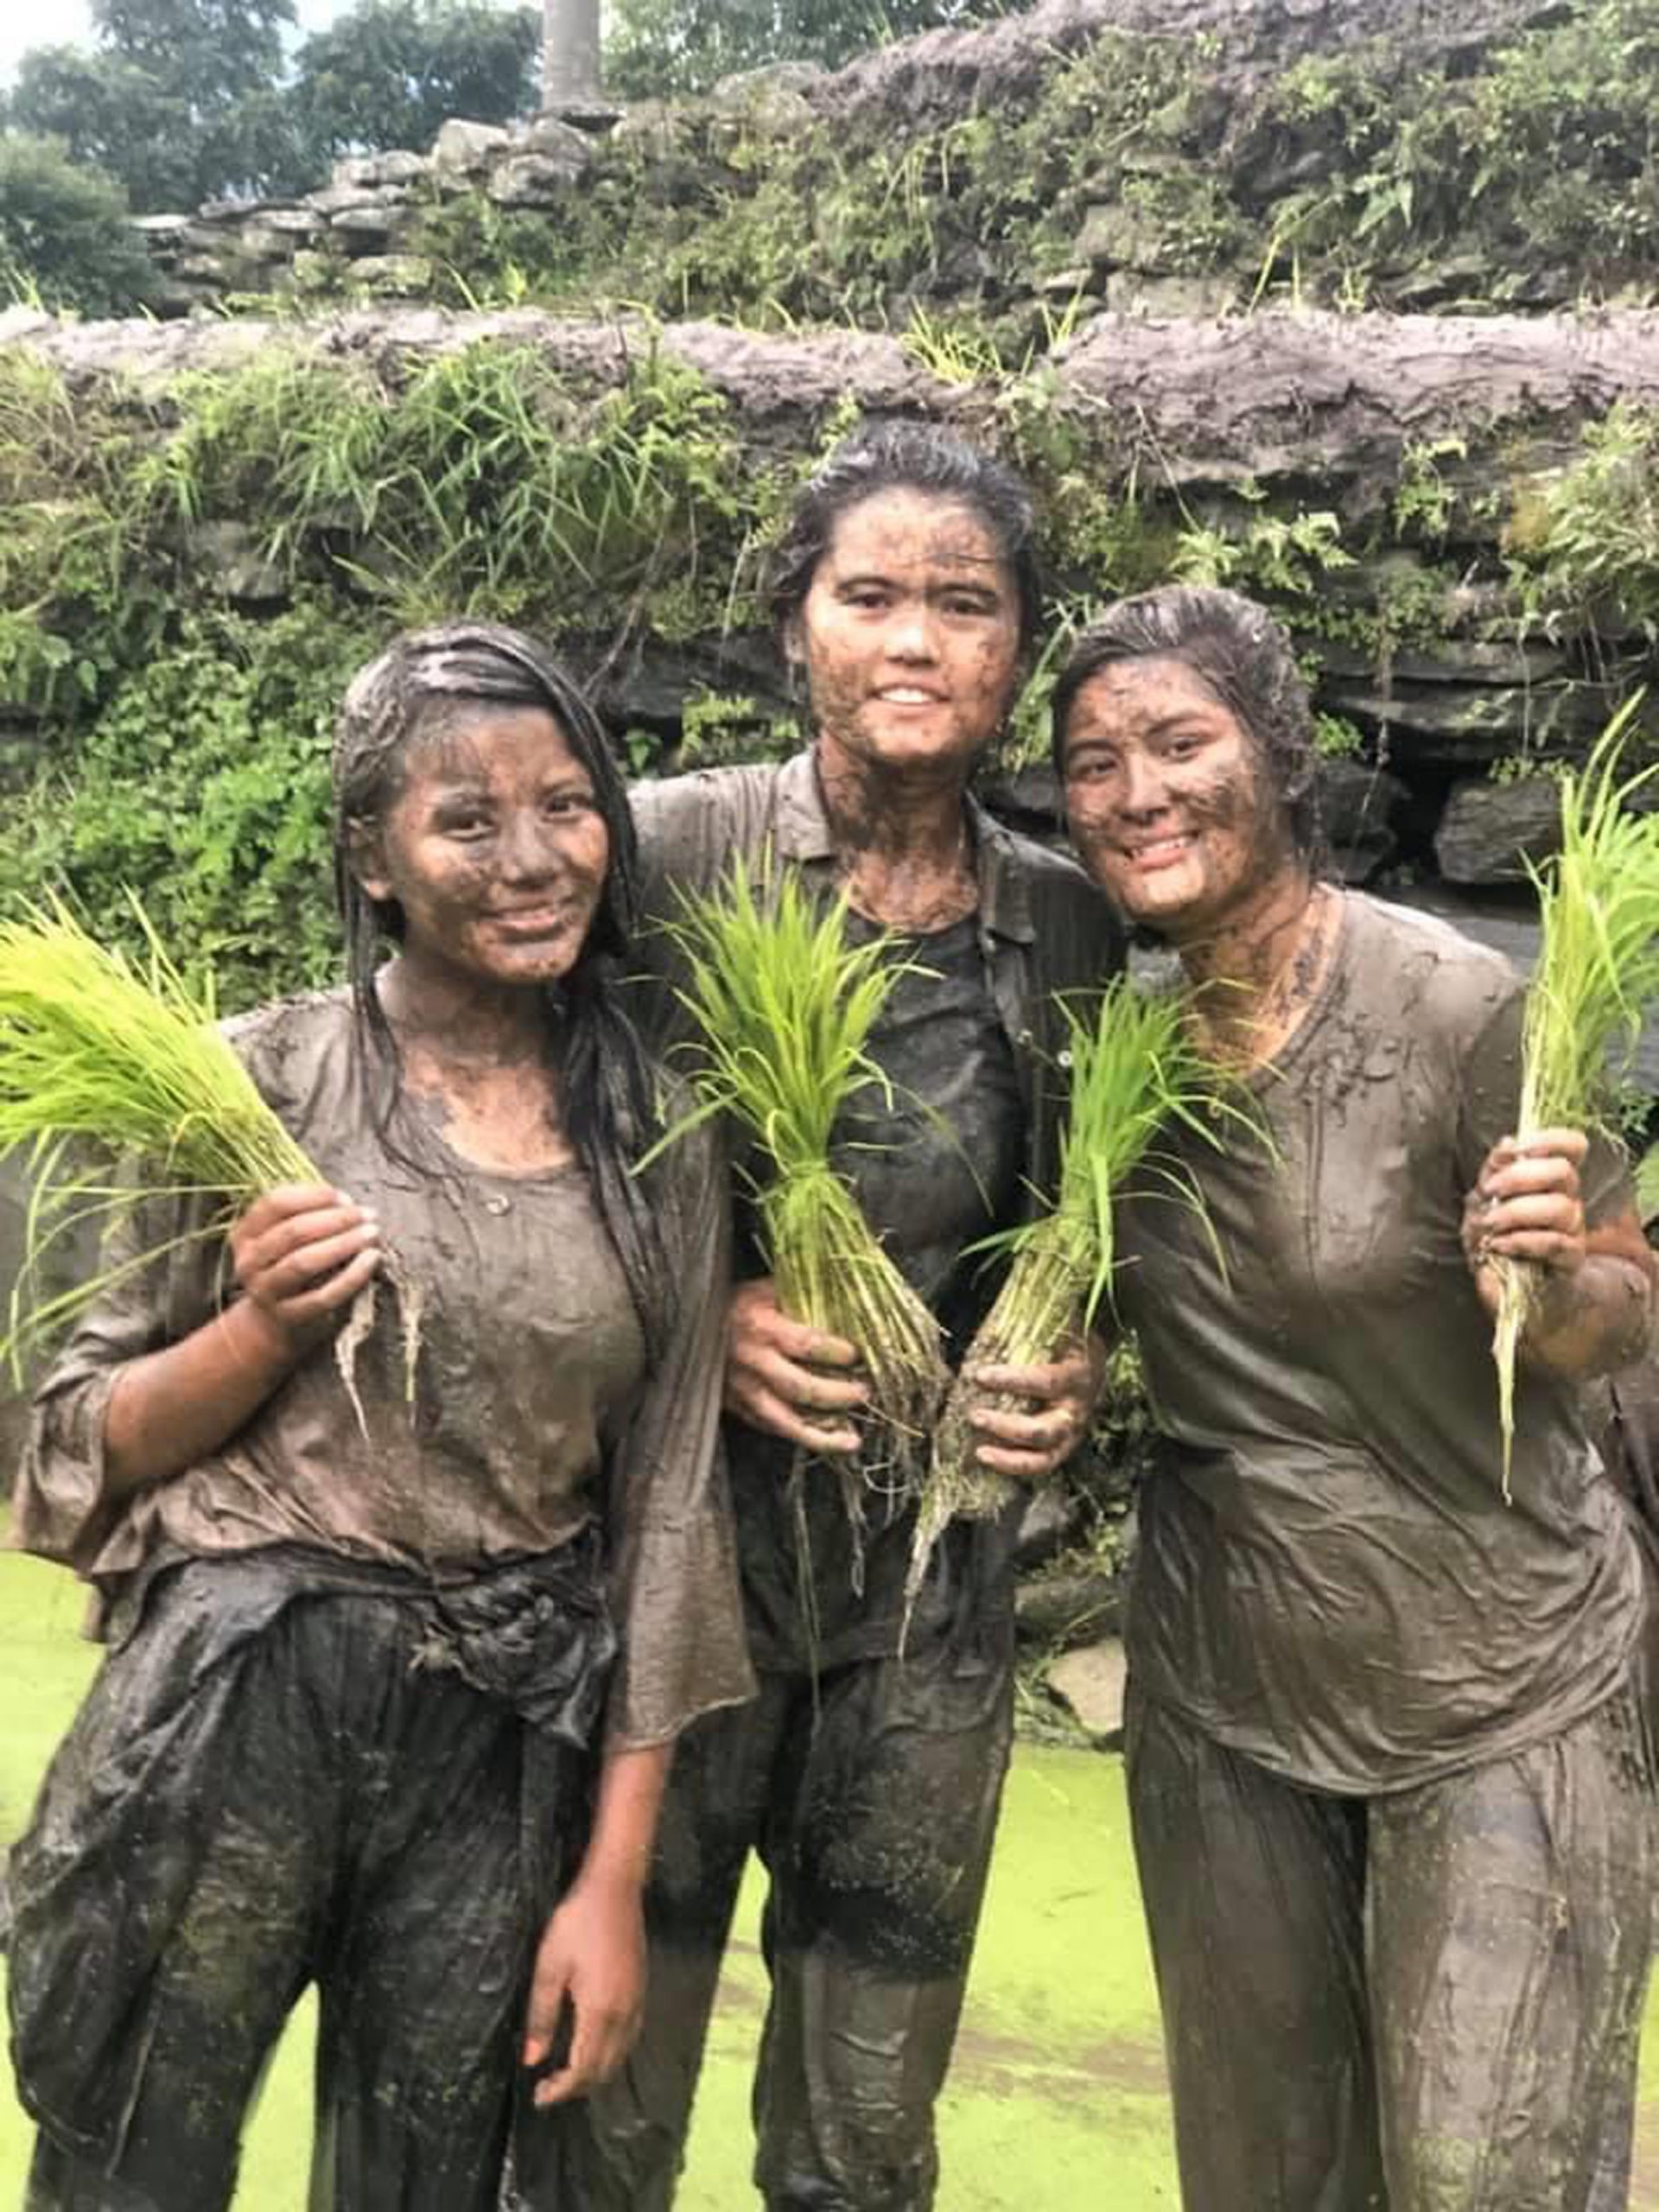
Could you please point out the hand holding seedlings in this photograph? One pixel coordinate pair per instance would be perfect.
(1034, 1441)
(1526, 1205)
(301, 1253)
(774, 1373)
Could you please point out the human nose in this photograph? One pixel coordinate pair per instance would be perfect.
(910, 633)
(1144, 790)
(529, 849)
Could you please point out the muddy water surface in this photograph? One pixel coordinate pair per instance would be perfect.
(1056, 2102)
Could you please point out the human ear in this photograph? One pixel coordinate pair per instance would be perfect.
(365, 856)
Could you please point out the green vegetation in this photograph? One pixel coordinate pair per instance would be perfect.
(783, 1007)
(1526, 176)
(1135, 1075)
(66, 243)
(189, 579)
(94, 1052)
(189, 573)
(178, 100)
(1586, 539)
(667, 47)
(1596, 977)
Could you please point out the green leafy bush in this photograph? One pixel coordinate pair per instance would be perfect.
(203, 784)
(65, 237)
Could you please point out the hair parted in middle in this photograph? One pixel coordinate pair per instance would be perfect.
(899, 455)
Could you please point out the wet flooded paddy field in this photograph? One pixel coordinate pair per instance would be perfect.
(1056, 2098)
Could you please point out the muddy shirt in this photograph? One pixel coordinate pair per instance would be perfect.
(1330, 1579)
(516, 1412)
(974, 1052)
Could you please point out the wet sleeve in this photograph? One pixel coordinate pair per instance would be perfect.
(161, 1263)
(683, 1646)
(686, 826)
(1490, 1099)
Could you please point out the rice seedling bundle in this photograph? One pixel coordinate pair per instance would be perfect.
(96, 1056)
(784, 1006)
(1597, 974)
(1135, 1072)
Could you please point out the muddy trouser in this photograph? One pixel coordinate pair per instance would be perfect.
(874, 1818)
(358, 1824)
(1427, 2001)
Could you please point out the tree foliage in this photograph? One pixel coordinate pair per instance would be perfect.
(391, 72)
(64, 239)
(187, 100)
(179, 102)
(684, 46)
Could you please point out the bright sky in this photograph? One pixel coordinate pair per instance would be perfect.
(24, 23)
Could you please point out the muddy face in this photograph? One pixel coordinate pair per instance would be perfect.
(494, 850)
(910, 639)
(1169, 800)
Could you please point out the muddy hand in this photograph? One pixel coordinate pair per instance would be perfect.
(1036, 1438)
(1526, 1205)
(775, 1377)
(301, 1253)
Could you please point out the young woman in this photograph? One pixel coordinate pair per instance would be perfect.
(906, 594)
(1392, 1799)
(361, 1650)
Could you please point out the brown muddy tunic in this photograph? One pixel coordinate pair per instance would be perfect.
(532, 1416)
(1330, 1580)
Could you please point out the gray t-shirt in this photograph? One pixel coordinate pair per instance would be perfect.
(533, 1412)
(1330, 1579)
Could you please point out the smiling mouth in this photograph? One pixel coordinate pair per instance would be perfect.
(1159, 852)
(906, 694)
(533, 921)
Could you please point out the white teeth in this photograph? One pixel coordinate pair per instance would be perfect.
(903, 698)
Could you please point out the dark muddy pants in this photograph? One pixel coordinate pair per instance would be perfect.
(1424, 2002)
(322, 1808)
(874, 1820)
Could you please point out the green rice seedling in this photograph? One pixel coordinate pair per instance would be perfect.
(1135, 1074)
(100, 1060)
(783, 1007)
(1597, 974)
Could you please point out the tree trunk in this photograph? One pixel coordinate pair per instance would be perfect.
(570, 52)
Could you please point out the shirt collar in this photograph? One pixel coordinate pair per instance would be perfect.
(804, 835)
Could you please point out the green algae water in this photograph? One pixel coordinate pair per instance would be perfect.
(1057, 2097)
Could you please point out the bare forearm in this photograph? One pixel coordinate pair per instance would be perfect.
(1592, 1322)
(631, 1788)
(172, 1407)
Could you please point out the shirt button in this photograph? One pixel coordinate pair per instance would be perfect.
(497, 1203)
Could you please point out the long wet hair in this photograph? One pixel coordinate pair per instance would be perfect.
(1245, 656)
(901, 455)
(425, 684)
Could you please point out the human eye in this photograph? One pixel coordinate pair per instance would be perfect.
(463, 819)
(565, 805)
(868, 598)
(970, 607)
(1090, 767)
